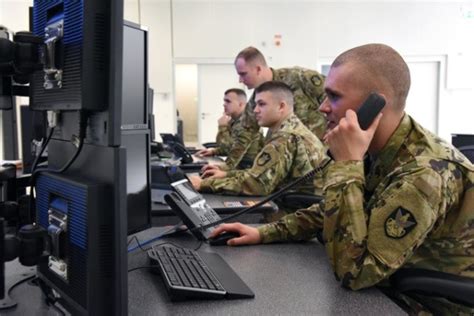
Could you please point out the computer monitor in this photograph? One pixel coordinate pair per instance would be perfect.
(137, 144)
(134, 125)
(135, 77)
(462, 140)
(83, 207)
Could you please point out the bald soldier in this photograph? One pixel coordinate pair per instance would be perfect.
(396, 195)
(233, 139)
(290, 151)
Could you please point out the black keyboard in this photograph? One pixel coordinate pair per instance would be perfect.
(189, 274)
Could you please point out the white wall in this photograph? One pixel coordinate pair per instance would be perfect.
(311, 31)
(320, 30)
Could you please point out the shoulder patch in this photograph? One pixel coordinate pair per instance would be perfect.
(399, 223)
(263, 159)
(316, 80)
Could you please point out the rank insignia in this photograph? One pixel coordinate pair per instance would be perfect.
(263, 159)
(399, 223)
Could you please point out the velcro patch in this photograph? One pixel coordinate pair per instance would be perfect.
(399, 223)
(263, 159)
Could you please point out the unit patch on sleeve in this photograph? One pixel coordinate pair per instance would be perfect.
(263, 159)
(399, 223)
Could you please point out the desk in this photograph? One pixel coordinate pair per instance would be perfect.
(288, 279)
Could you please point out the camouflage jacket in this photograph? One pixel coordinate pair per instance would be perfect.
(238, 143)
(290, 152)
(413, 207)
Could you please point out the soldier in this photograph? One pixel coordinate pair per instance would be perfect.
(232, 139)
(306, 85)
(410, 205)
(290, 151)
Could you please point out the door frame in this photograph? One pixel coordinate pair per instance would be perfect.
(198, 62)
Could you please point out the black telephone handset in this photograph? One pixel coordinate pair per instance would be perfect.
(192, 208)
(369, 110)
(180, 151)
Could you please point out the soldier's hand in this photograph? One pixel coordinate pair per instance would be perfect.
(248, 235)
(347, 141)
(214, 174)
(206, 152)
(209, 167)
(196, 182)
(224, 120)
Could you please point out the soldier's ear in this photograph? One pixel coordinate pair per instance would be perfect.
(283, 105)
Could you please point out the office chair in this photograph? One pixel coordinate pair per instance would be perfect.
(468, 151)
(455, 288)
(297, 200)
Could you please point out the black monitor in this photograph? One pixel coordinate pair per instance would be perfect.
(134, 125)
(137, 144)
(462, 140)
(83, 206)
(135, 77)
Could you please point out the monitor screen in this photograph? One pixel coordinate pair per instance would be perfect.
(462, 140)
(134, 91)
(138, 189)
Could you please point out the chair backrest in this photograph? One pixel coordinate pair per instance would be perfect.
(468, 151)
(455, 288)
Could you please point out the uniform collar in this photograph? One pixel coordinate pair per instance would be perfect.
(385, 158)
(288, 124)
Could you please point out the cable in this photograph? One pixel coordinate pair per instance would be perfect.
(142, 267)
(83, 118)
(199, 245)
(172, 230)
(46, 142)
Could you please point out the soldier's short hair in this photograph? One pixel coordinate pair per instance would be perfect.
(251, 54)
(239, 92)
(381, 65)
(279, 90)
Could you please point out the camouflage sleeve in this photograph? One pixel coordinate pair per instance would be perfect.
(245, 139)
(301, 225)
(223, 140)
(313, 85)
(268, 170)
(364, 252)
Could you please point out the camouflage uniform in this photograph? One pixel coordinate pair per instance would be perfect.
(290, 152)
(413, 207)
(308, 92)
(238, 144)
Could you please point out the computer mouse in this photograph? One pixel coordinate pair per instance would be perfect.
(221, 240)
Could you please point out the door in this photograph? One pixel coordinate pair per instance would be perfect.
(423, 98)
(213, 81)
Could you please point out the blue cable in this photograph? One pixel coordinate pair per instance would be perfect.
(173, 229)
